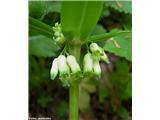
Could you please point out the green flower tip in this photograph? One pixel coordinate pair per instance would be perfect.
(95, 48)
(105, 58)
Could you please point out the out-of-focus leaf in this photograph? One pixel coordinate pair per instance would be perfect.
(127, 22)
(53, 6)
(62, 109)
(120, 45)
(106, 36)
(84, 100)
(103, 93)
(38, 72)
(78, 18)
(44, 100)
(42, 46)
(105, 11)
(122, 6)
(122, 66)
(99, 29)
(123, 113)
(38, 9)
(37, 27)
(127, 92)
(121, 79)
(90, 88)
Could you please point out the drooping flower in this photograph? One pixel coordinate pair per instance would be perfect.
(62, 66)
(54, 69)
(88, 63)
(73, 64)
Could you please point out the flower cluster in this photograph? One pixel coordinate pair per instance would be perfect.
(58, 35)
(91, 60)
(65, 66)
(68, 67)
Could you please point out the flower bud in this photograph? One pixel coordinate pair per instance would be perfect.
(95, 48)
(72, 63)
(88, 63)
(62, 66)
(97, 68)
(104, 58)
(59, 40)
(57, 33)
(54, 69)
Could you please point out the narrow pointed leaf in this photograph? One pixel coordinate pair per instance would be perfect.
(106, 36)
(37, 27)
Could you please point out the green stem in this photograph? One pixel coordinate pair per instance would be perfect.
(73, 101)
(74, 88)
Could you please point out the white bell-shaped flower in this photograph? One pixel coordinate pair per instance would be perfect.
(62, 66)
(73, 64)
(54, 69)
(88, 63)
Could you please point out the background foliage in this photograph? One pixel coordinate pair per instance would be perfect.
(106, 98)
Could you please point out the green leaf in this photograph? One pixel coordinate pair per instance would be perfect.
(123, 113)
(44, 100)
(62, 109)
(42, 46)
(120, 45)
(78, 18)
(121, 80)
(121, 6)
(38, 9)
(106, 36)
(37, 27)
(103, 93)
(53, 6)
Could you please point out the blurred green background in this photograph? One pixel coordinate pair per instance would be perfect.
(109, 98)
